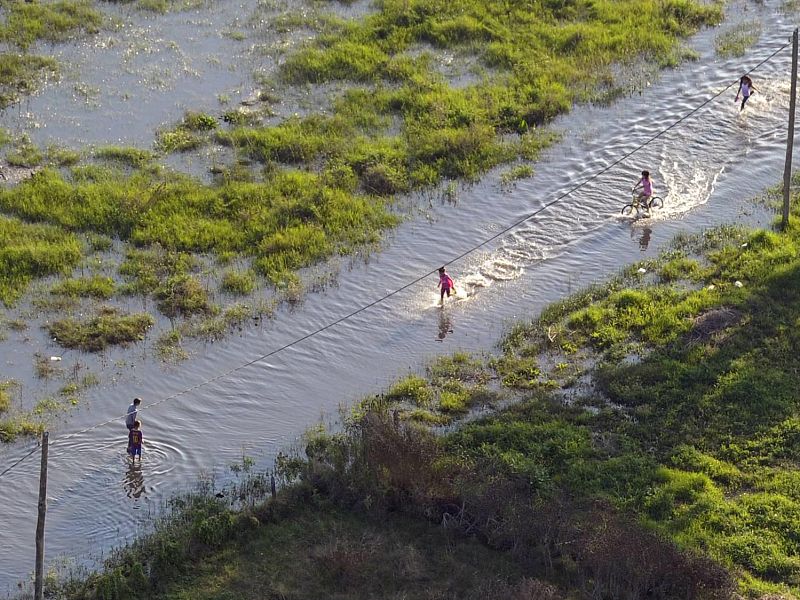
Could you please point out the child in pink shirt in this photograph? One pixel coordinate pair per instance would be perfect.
(446, 283)
(646, 185)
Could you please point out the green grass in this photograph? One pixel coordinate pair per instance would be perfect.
(690, 427)
(5, 395)
(320, 187)
(130, 157)
(28, 22)
(25, 23)
(99, 287)
(239, 283)
(109, 327)
(30, 251)
(737, 40)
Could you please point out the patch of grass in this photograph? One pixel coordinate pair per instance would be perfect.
(146, 269)
(10, 430)
(169, 348)
(28, 22)
(62, 157)
(28, 251)
(98, 242)
(507, 178)
(239, 283)
(189, 134)
(183, 295)
(130, 157)
(178, 139)
(108, 328)
(736, 41)
(97, 286)
(24, 154)
(412, 389)
(5, 394)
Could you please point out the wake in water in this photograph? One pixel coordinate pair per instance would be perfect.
(686, 164)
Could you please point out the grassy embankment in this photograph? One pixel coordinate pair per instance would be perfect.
(670, 471)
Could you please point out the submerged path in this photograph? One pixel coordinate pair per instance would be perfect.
(707, 169)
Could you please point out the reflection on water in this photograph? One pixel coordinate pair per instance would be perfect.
(445, 325)
(644, 239)
(133, 484)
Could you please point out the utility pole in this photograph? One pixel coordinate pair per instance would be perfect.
(787, 169)
(38, 593)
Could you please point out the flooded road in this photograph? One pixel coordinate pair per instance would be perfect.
(707, 169)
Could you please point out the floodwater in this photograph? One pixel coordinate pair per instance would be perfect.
(707, 169)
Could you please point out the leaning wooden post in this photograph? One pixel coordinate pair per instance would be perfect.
(787, 169)
(38, 593)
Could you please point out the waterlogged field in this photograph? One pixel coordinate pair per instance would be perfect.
(642, 444)
(98, 228)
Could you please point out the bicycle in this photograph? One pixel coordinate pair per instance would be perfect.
(637, 204)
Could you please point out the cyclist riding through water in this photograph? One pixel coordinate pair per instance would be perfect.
(646, 186)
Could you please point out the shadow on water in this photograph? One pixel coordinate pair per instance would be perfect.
(445, 325)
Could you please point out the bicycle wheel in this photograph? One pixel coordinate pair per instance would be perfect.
(628, 210)
(655, 202)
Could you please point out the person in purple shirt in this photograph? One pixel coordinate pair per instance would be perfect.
(646, 186)
(446, 283)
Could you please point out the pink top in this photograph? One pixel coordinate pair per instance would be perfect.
(647, 187)
(445, 281)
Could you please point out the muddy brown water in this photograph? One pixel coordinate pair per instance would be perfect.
(707, 169)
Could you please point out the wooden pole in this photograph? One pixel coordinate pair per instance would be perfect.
(38, 593)
(787, 169)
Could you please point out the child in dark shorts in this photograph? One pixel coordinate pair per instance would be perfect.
(135, 441)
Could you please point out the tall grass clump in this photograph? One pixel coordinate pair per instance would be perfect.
(30, 251)
(97, 286)
(109, 327)
(736, 41)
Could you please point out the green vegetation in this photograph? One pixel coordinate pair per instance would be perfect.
(300, 547)
(108, 328)
(25, 23)
(130, 157)
(101, 288)
(190, 133)
(507, 178)
(318, 191)
(5, 395)
(59, 21)
(674, 471)
(239, 283)
(736, 41)
(28, 251)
